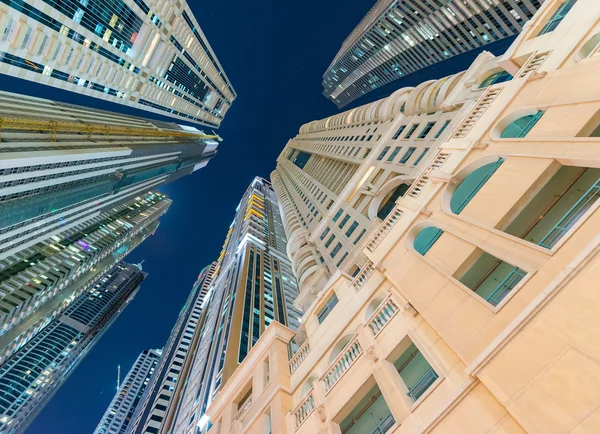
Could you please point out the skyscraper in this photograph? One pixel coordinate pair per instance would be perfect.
(119, 413)
(476, 309)
(63, 162)
(341, 176)
(156, 408)
(255, 286)
(397, 38)
(31, 376)
(40, 281)
(146, 54)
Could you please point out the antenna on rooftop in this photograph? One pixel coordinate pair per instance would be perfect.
(118, 376)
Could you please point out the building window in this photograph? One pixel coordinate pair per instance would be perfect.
(426, 239)
(439, 133)
(407, 155)
(426, 130)
(411, 131)
(335, 250)
(351, 229)
(400, 130)
(329, 241)
(521, 127)
(344, 221)
(557, 17)
(325, 310)
(415, 371)
(338, 215)
(382, 154)
(470, 186)
(394, 153)
(498, 77)
(421, 156)
(359, 236)
(324, 234)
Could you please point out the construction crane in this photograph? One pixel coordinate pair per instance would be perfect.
(54, 127)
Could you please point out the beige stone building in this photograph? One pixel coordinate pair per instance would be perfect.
(474, 308)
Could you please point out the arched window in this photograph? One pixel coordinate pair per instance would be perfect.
(521, 127)
(403, 107)
(471, 185)
(388, 204)
(498, 77)
(557, 17)
(426, 239)
(589, 46)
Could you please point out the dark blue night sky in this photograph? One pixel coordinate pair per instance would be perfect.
(274, 53)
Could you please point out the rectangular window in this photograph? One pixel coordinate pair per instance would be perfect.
(351, 229)
(329, 241)
(367, 152)
(394, 153)
(360, 236)
(324, 234)
(385, 151)
(342, 260)
(325, 310)
(338, 215)
(421, 156)
(406, 156)
(439, 133)
(400, 130)
(344, 221)
(558, 16)
(426, 130)
(335, 250)
(411, 131)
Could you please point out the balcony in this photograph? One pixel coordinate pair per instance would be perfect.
(415, 371)
(384, 313)
(299, 357)
(505, 286)
(422, 384)
(385, 227)
(363, 275)
(342, 363)
(385, 425)
(304, 409)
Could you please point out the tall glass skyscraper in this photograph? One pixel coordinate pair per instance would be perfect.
(119, 413)
(253, 286)
(31, 376)
(146, 54)
(156, 406)
(397, 38)
(39, 282)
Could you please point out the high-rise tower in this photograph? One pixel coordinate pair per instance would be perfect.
(119, 413)
(255, 286)
(146, 54)
(156, 409)
(31, 376)
(397, 38)
(40, 281)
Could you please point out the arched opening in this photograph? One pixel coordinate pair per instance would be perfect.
(426, 239)
(520, 127)
(589, 46)
(389, 202)
(372, 307)
(471, 185)
(497, 77)
(308, 385)
(339, 347)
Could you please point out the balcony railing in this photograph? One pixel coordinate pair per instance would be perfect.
(423, 384)
(571, 217)
(342, 363)
(384, 313)
(243, 409)
(421, 182)
(385, 227)
(504, 287)
(299, 357)
(385, 425)
(304, 409)
(363, 275)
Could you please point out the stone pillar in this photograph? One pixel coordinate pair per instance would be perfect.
(393, 390)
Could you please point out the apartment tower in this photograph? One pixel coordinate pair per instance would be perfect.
(157, 406)
(146, 54)
(476, 307)
(397, 38)
(119, 413)
(255, 287)
(31, 376)
(41, 280)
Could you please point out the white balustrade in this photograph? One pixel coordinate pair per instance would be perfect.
(363, 275)
(304, 409)
(342, 363)
(384, 313)
(385, 227)
(299, 357)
